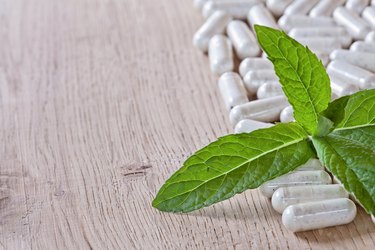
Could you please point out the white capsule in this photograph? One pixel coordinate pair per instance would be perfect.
(356, 6)
(199, 3)
(220, 55)
(277, 7)
(238, 9)
(264, 110)
(214, 25)
(295, 21)
(364, 60)
(355, 25)
(260, 15)
(325, 7)
(373, 218)
(247, 126)
(287, 115)
(312, 164)
(370, 38)
(297, 178)
(337, 32)
(363, 47)
(232, 90)
(362, 78)
(269, 89)
(369, 15)
(254, 64)
(286, 196)
(300, 7)
(254, 78)
(243, 40)
(319, 214)
(321, 44)
(340, 85)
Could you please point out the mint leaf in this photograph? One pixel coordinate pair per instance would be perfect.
(350, 155)
(233, 164)
(302, 75)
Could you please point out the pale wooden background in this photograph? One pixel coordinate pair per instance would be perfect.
(101, 100)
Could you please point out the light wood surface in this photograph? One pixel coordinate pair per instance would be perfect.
(100, 102)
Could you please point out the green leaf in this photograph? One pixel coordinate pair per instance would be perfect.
(233, 164)
(350, 155)
(302, 75)
(357, 110)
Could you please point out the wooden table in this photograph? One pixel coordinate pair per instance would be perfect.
(101, 101)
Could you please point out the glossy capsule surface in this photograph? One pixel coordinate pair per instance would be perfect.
(255, 78)
(238, 9)
(294, 21)
(286, 196)
(325, 7)
(260, 15)
(247, 126)
(312, 164)
(363, 46)
(287, 115)
(220, 55)
(369, 15)
(356, 26)
(356, 6)
(254, 63)
(370, 37)
(340, 85)
(232, 90)
(319, 214)
(243, 40)
(364, 60)
(300, 7)
(277, 7)
(297, 178)
(269, 89)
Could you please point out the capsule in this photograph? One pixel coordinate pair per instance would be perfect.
(232, 90)
(260, 15)
(296, 21)
(340, 85)
(325, 7)
(312, 164)
(364, 60)
(254, 64)
(321, 44)
(220, 55)
(319, 214)
(264, 110)
(286, 196)
(370, 38)
(238, 9)
(287, 115)
(269, 89)
(369, 15)
(356, 6)
(199, 3)
(373, 218)
(300, 7)
(243, 40)
(355, 25)
(247, 126)
(254, 78)
(277, 7)
(214, 25)
(363, 47)
(337, 32)
(364, 79)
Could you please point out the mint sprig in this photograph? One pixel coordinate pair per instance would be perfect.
(342, 133)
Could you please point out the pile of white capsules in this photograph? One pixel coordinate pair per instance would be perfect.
(341, 33)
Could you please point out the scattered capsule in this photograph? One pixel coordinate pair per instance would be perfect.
(321, 44)
(369, 15)
(264, 110)
(337, 32)
(319, 214)
(277, 7)
(259, 14)
(325, 7)
(355, 25)
(220, 55)
(363, 47)
(364, 60)
(286, 196)
(340, 85)
(295, 21)
(214, 25)
(238, 9)
(269, 89)
(370, 38)
(300, 7)
(297, 178)
(254, 78)
(254, 64)
(356, 6)
(363, 78)
(287, 115)
(243, 40)
(232, 90)
(199, 3)
(312, 164)
(247, 126)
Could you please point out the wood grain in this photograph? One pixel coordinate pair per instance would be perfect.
(100, 101)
